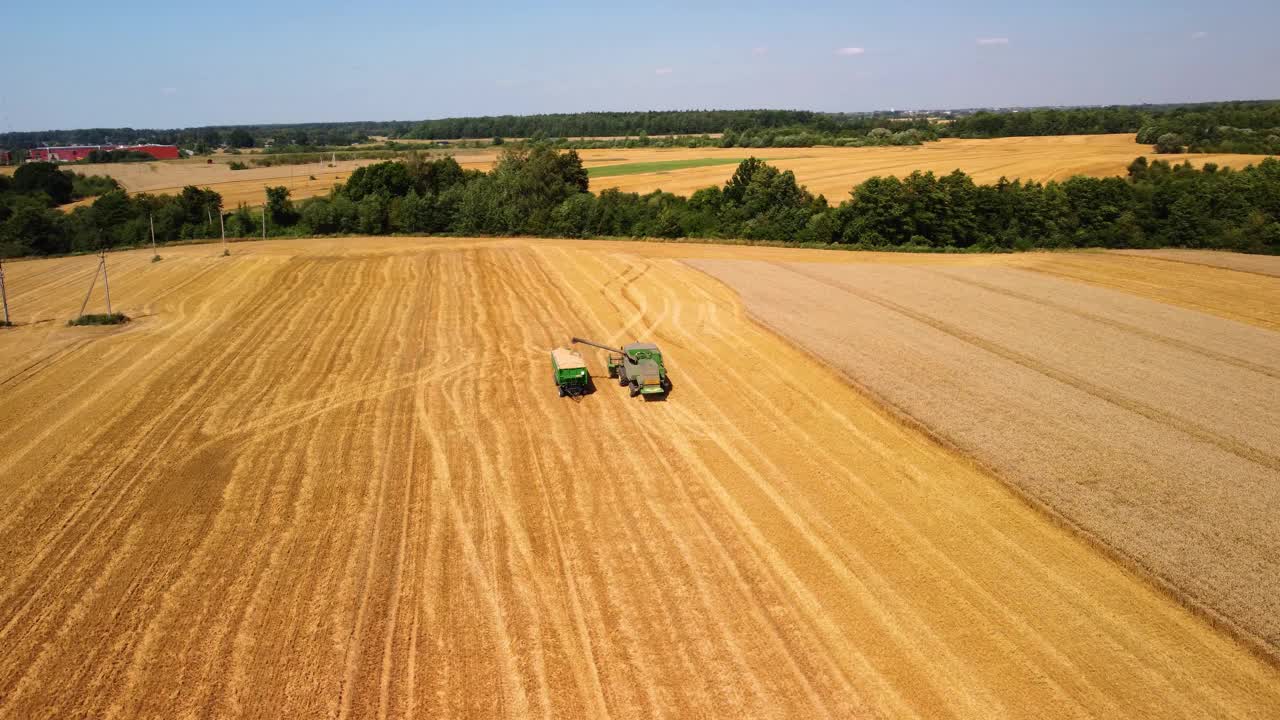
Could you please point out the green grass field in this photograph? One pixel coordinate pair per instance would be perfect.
(658, 166)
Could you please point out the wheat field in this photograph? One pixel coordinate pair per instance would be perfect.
(1151, 428)
(333, 478)
(834, 171)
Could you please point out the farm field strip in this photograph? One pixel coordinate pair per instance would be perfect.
(1021, 370)
(334, 476)
(1260, 264)
(658, 166)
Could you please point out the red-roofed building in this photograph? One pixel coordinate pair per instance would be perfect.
(159, 152)
(75, 153)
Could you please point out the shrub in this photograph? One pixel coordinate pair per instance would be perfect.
(1170, 143)
(100, 319)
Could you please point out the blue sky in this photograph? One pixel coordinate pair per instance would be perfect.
(152, 64)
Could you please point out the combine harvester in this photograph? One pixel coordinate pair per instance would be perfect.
(638, 365)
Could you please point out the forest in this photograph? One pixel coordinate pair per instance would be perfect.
(1229, 127)
(683, 122)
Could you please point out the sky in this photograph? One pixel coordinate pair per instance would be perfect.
(168, 65)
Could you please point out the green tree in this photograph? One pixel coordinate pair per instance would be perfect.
(372, 214)
(44, 177)
(389, 179)
(279, 207)
(318, 217)
(1171, 143)
(33, 229)
(239, 138)
(112, 213)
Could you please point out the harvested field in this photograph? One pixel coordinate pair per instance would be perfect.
(827, 170)
(246, 186)
(834, 171)
(333, 478)
(1151, 428)
(236, 186)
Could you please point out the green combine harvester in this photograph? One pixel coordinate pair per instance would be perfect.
(638, 365)
(570, 372)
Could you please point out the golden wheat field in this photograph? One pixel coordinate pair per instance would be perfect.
(333, 478)
(834, 171)
(831, 171)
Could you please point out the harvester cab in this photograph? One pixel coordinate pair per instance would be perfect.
(637, 366)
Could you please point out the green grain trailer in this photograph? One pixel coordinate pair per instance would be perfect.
(569, 372)
(638, 365)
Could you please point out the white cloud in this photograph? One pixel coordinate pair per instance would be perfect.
(664, 71)
(1199, 34)
(759, 51)
(850, 51)
(993, 41)
(169, 91)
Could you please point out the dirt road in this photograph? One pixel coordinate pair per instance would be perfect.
(332, 478)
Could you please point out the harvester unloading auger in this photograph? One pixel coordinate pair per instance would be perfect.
(638, 365)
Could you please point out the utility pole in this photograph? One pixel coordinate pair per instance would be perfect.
(4, 297)
(102, 259)
(222, 223)
(264, 223)
(152, 221)
(92, 282)
(105, 284)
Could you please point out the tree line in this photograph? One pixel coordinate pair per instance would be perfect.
(1252, 128)
(1247, 126)
(544, 192)
(1236, 127)
(908, 133)
(675, 122)
(32, 224)
(241, 136)
(539, 191)
(316, 136)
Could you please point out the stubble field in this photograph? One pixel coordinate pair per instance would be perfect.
(332, 478)
(828, 170)
(237, 187)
